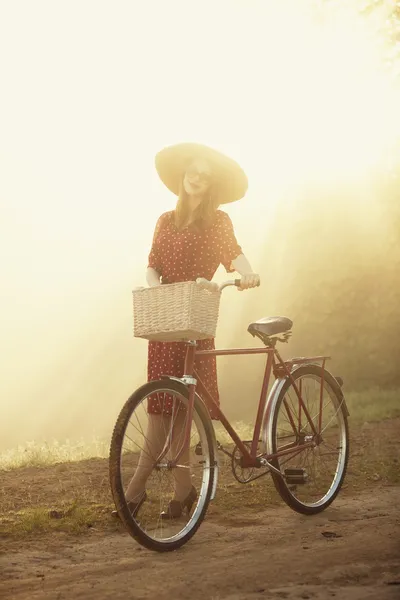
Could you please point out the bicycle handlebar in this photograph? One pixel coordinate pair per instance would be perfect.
(214, 286)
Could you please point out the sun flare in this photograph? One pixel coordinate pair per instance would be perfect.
(297, 91)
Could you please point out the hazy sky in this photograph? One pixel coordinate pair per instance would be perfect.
(90, 91)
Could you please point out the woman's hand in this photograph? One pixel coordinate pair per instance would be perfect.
(152, 277)
(250, 280)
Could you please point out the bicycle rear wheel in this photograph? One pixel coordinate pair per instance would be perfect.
(315, 465)
(132, 455)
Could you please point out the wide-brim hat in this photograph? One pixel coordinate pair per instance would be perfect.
(172, 162)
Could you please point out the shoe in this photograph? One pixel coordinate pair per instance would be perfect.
(132, 506)
(176, 508)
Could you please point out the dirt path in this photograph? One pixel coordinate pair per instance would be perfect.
(277, 554)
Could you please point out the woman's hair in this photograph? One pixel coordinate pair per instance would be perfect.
(205, 212)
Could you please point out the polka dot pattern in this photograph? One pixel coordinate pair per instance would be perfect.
(185, 255)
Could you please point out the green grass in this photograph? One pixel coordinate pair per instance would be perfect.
(75, 498)
(75, 518)
(34, 454)
(368, 406)
(244, 430)
(373, 405)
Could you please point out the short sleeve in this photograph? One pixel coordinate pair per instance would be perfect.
(229, 247)
(154, 260)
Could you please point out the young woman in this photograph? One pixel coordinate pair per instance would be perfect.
(189, 242)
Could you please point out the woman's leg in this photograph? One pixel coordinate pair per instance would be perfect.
(153, 443)
(182, 474)
(158, 428)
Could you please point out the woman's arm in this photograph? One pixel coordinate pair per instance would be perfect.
(230, 248)
(249, 278)
(154, 269)
(242, 265)
(152, 277)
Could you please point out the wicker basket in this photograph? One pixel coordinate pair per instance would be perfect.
(175, 312)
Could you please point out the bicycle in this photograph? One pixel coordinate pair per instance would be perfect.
(302, 441)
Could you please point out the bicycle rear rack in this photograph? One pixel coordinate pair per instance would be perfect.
(282, 370)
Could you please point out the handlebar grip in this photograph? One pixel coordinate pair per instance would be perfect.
(237, 283)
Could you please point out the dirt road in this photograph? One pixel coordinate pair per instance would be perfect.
(351, 552)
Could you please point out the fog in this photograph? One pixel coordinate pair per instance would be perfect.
(90, 92)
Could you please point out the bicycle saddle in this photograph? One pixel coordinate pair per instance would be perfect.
(270, 326)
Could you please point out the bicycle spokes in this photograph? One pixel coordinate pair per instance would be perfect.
(310, 440)
(156, 458)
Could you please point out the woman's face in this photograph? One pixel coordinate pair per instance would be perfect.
(197, 179)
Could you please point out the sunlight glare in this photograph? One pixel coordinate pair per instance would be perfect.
(294, 90)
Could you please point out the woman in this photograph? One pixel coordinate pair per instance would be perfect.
(188, 243)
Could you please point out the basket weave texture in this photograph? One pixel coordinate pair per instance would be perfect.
(175, 312)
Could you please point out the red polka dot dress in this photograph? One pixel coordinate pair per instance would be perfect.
(184, 255)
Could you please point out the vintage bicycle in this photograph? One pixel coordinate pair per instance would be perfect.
(300, 432)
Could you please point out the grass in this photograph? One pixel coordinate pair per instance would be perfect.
(373, 405)
(35, 454)
(64, 487)
(369, 406)
(74, 518)
(74, 498)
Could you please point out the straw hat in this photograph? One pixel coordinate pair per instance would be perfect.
(172, 162)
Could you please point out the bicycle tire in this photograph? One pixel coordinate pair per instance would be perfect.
(199, 412)
(314, 371)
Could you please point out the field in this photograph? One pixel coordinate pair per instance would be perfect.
(58, 540)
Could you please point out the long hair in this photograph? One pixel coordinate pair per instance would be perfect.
(204, 213)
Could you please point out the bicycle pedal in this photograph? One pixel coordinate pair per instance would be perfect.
(295, 476)
(198, 450)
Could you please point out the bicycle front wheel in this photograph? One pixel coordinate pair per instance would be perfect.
(313, 464)
(143, 453)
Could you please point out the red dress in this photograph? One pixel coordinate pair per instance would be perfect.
(185, 255)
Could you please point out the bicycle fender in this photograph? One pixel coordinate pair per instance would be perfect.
(333, 382)
(269, 405)
(212, 432)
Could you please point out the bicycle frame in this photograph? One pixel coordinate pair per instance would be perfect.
(276, 365)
